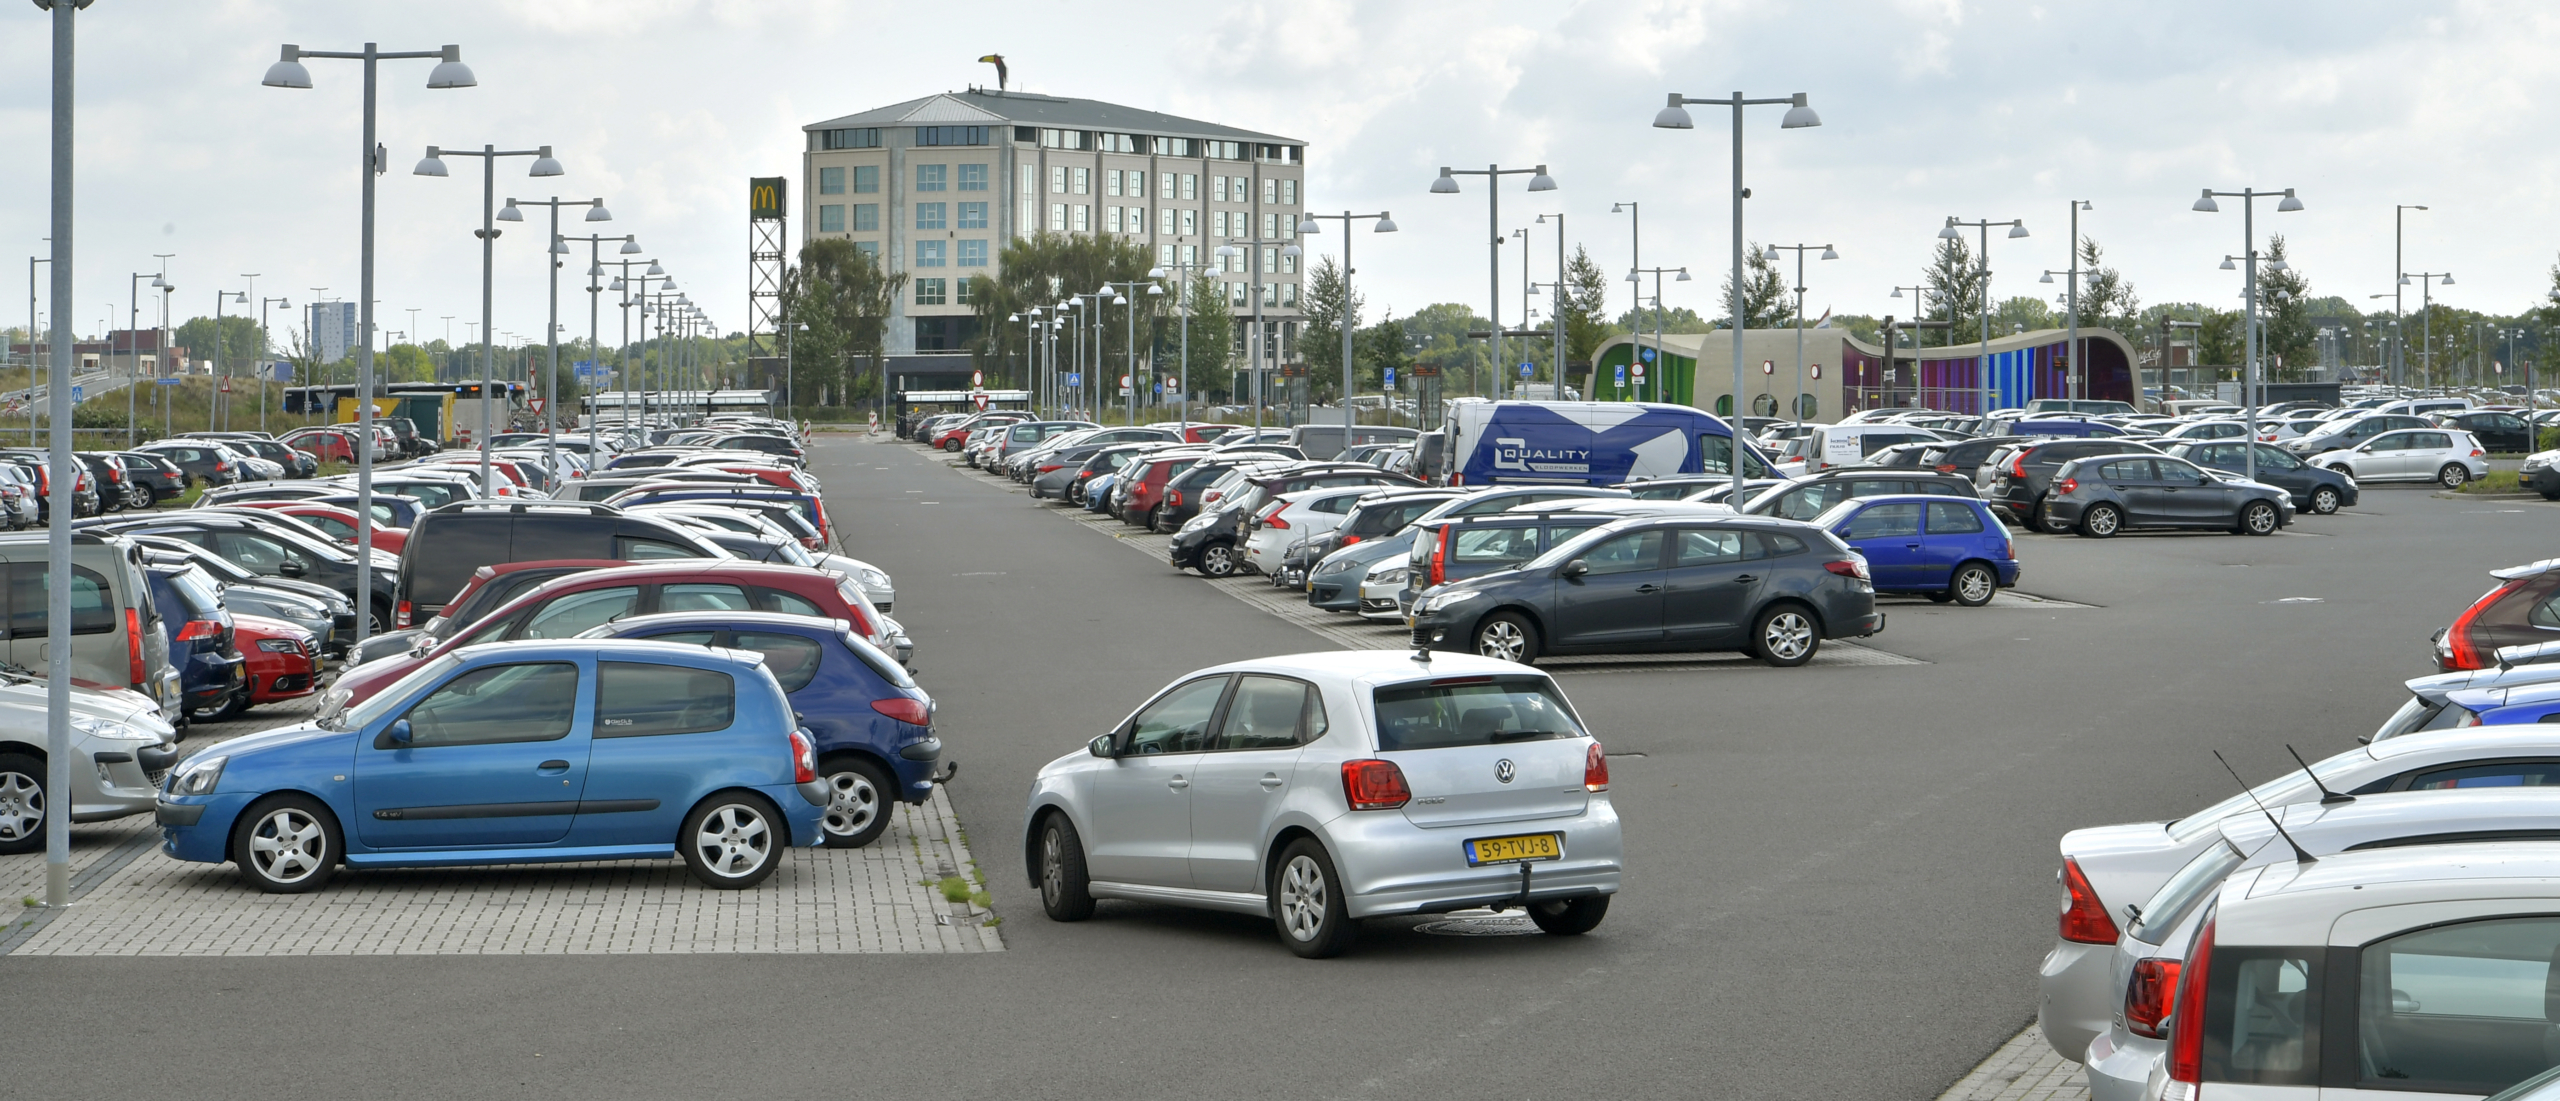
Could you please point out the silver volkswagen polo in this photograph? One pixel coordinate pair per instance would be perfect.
(1320, 789)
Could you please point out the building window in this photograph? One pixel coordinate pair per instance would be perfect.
(1083, 181)
(1288, 264)
(968, 289)
(1236, 293)
(1270, 260)
(932, 215)
(1166, 187)
(1218, 188)
(831, 181)
(1057, 217)
(1111, 182)
(1111, 218)
(1084, 218)
(868, 248)
(831, 218)
(1289, 294)
(1288, 192)
(1191, 255)
(929, 254)
(1190, 185)
(973, 216)
(1026, 133)
(868, 138)
(1190, 223)
(1271, 294)
(973, 177)
(866, 217)
(866, 179)
(1166, 222)
(1067, 139)
(1270, 226)
(1030, 178)
(1270, 190)
(951, 135)
(973, 254)
(932, 177)
(929, 292)
(1175, 147)
(1030, 222)
(1137, 185)
(1057, 179)
(1164, 256)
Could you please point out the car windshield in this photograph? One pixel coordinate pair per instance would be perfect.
(1472, 711)
(2183, 892)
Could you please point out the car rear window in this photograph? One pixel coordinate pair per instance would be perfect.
(2183, 892)
(1472, 711)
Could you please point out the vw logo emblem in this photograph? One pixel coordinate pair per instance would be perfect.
(1504, 770)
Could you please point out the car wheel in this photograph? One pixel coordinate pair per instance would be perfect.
(857, 801)
(232, 708)
(1786, 636)
(2453, 475)
(286, 844)
(2101, 521)
(951, 445)
(1508, 636)
(2324, 500)
(1973, 585)
(1145, 520)
(1306, 902)
(1218, 560)
(732, 841)
(1569, 917)
(2039, 518)
(1065, 893)
(21, 803)
(2258, 518)
(2342, 470)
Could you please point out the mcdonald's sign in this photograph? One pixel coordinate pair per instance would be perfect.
(767, 198)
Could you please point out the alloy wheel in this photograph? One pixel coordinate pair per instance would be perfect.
(1788, 636)
(21, 806)
(2453, 475)
(734, 841)
(289, 846)
(1303, 898)
(1052, 865)
(2324, 500)
(853, 803)
(1974, 586)
(1217, 560)
(2260, 518)
(1502, 639)
(2102, 521)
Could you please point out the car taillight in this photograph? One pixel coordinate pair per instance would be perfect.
(1946, 468)
(2150, 996)
(1274, 520)
(2186, 1021)
(2066, 485)
(2018, 466)
(2465, 653)
(133, 647)
(1374, 785)
(1050, 467)
(198, 630)
(2085, 919)
(1595, 769)
(1440, 556)
(1347, 540)
(804, 759)
(905, 710)
(2476, 453)
(1848, 567)
(403, 615)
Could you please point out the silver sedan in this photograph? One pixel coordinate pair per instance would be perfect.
(1321, 789)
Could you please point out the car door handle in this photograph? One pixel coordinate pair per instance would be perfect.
(1177, 783)
(1271, 781)
(552, 766)
(1911, 546)
(1648, 588)
(1745, 579)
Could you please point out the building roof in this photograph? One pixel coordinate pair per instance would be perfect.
(980, 107)
(1689, 345)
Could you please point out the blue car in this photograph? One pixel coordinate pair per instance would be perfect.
(2524, 703)
(1097, 492)
(516, 753)
(872, 725)
(201, 645)
(1946, 548)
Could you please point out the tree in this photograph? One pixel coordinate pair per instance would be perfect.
(1955, 289)
(2022, 312)
(1379, 347)
(406, 363)
(1438, 333)
(1210, 366)
(241, 340)
(1764, 300)
(2107, 300)
(1583, 306)
(2284, 311)
(844, 296)
(2218, 343)
(1331, 305)
(1676, 319)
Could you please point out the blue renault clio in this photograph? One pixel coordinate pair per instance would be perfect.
(516, 753)
(1946, 548)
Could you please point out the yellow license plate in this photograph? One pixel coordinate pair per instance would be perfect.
(1513, 850)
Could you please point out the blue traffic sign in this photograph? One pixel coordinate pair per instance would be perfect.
(1391, 378)
(1645, 355)
(1622, 374)
(1075, 379)
(167, 381)
(76, 392)
(1528, 369)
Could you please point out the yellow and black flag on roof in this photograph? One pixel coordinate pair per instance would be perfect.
(998, 61)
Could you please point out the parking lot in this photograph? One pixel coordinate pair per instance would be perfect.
(1841, 876)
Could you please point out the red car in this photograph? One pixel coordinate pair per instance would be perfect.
(567, 606)
(1198, 432)
(283, 661)
(329, 445)
(952, 436)
(339, 523)
(1147, 480)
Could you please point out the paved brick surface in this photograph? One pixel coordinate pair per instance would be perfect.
(2024, 1069)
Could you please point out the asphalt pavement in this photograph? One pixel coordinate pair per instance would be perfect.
(1840, 879)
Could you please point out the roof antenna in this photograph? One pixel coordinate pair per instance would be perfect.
(2300, 855)
(2328, 798)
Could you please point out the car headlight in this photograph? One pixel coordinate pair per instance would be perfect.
(1394, 576)
(198, 777)
(873, 579)
(111, 729)
(279, 646)
(1440, 601)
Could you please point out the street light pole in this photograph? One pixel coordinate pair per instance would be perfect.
(1800, 250)
(1674, 116)
(57, 722)
(1447, 184)
(551, 332)
(1307, 225)
(2249, 393)
(1556, 306)
(1654, 372)
(433, 165)
(2427, 281)
(2400, 365)
(1982, 365)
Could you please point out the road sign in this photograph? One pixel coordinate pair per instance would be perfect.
(1159, 389)
(534, 404)
(1391, 378)
(1622, 375)
(1075, 379)
(1817, 370)
(1768, 367)
(166, 381)
(1124, 382)
(226, 388)
(1528, 369)
(979, 400)
(1639, 372)
(977, 379)
(1645, 355)
(75, 393)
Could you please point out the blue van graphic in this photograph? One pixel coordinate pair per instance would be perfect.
(1587, 443)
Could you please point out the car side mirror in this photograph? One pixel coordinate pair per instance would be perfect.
(398, 732)
(1575, 568)
(1103, 746)
(291, 568)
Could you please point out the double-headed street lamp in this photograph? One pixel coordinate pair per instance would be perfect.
(2427, 281)
(1308, 225)
(2250, 397)
(2399, 213)
(595, 289)
(1800, 250)
(1675, 116)
(1120, 292)
(1253, 248)
(2075, 377)
(1447, 184)
(559, 248)
(132, 348)
(433, 165)
(1187, 271)
(630, 287)
(1982, 364)
(1634, 276)
(288, 72)
(263, 352)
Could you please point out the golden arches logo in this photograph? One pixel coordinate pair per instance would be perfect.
(765, 197)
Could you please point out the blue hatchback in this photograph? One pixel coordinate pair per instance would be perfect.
(516, 753)
(1947, 548)
(872, 725)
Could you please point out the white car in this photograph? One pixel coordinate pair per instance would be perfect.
(2119, 1061)
(2402, 973)
(1293, 518)
(2445, 456)
(2105, 868)
(1319, 789)
(122, 745)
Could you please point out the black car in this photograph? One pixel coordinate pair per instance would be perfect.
(109, 476)
(412, 442)
(1459, 547)
(202, 463)
(1806, 498)
(1211, 548)
(1964, 457)
(780, 447)
(1771, 588)
(2015, 479)
(2499, 432)
(157, 474)
(448, 543)
(271, 550)
(1334, 584)
(84, 501)
(2100, 495)
(2313, 489)
(296, 464)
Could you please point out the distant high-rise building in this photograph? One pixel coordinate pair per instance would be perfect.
(333, 330)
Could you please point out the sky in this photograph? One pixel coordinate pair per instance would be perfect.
(1930, 108)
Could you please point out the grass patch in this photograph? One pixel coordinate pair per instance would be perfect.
(955, 889)
(982, 900)
(2498, 481)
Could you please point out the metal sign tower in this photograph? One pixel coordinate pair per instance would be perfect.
(768, 227)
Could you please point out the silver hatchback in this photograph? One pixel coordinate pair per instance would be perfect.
(1320, 789)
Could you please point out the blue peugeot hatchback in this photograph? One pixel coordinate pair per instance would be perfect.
(872, 725)
(516, 753)
(1947, 548)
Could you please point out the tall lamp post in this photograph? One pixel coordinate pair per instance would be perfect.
(2427, 281)
(1557, 305)
(1447, 184)
(288, 72)
(265, 349)
(1800, 250)
(1655, 373)
(1120, 292)
(220, 379)
(433, 165)
(595, 290)
(1982, 366)
(551, 372)
(2075, 377)
(2399, 213)
(1252, 248)
(631, 287)
(132, 349)
(57, 723)
(1675, 116)
(2249, 240)
(1307, 225)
